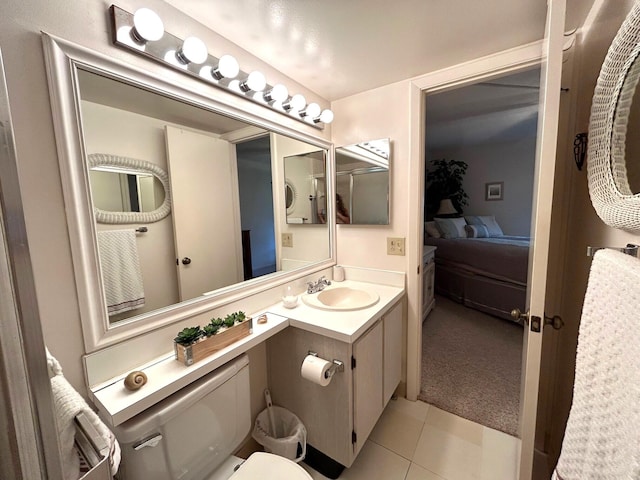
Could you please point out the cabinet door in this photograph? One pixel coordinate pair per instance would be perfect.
(392, 322)
(367, 383)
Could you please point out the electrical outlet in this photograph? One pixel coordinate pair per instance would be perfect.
(287, 239)
(395, 246)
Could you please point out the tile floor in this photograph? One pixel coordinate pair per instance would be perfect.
(416, 441)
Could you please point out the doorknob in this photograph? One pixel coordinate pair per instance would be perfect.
(556, 321)
(516, 314)
(186, 261)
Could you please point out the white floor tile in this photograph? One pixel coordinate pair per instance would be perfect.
(417, 410)
(458, 426)
(398, 431)
(447, 454)
(376, 463)
(499, 455)
(416, 472)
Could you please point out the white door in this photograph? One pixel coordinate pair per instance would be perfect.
(205, 209)
(541, 222)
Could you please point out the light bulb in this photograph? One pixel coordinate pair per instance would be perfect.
(326, 117)
(297, 102)
(254, 82)
(227, 68)
(278, 93)
(193, 51)
(312, 111)
(147, 26)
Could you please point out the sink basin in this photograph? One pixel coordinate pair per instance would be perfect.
(341, 298)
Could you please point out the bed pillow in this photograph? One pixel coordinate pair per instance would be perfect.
(476, 231)
(487, 220)
(431, 229)
(451, 227)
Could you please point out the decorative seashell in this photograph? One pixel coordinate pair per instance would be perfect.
(262, 318)
(135, 380)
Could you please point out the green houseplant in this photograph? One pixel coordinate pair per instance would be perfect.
(194, 343)
(444, 180)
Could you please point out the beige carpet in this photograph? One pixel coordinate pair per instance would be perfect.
(471, 365)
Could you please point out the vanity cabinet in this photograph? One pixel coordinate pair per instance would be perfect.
(428, 279)
(340, 416)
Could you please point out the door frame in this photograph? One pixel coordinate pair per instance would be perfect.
(502, 63)
(509, 61)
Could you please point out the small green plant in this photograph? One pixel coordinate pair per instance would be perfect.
(188, 335)
(210, 329)
(218, 322)
(230, 320)
(444, 180)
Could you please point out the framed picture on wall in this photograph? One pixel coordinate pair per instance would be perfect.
(493, 190)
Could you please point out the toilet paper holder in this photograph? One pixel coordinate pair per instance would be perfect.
(337, 365)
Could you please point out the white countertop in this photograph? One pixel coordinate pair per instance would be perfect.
(346, 326)
(166, 376)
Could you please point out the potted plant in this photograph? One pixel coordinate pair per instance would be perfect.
(195, 343)
(444, 180)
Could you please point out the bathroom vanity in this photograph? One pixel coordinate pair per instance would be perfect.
(340, 416)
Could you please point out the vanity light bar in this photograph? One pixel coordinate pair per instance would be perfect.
(144, 34)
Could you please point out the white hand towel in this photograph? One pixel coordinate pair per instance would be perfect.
(602, 438)
(121, 272)
(67, 403)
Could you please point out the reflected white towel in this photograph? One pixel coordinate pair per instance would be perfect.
(602, 439)
(67, 403)
(121, 272)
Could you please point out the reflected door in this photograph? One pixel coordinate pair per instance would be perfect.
(205, 212)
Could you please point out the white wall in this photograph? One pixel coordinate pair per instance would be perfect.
(84, 22)
(509, 162)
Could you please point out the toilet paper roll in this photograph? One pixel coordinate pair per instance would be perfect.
(315, 370)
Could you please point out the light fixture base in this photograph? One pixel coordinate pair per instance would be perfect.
(122, 26)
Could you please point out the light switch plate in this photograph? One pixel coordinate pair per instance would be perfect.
(287, 239)
(395, 246)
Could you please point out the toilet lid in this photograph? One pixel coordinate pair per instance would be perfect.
(267, 466)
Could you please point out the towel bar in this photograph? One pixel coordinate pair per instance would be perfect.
(630, 249)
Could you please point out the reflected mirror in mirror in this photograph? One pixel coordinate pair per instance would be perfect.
(115, 191)
(305, 182)
(226, 185)
(362, 183)
(625, 151)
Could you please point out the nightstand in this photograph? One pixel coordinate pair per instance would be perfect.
(428, 275)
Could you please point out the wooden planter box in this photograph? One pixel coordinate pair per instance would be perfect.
(209, 345)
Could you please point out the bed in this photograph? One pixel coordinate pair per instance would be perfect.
(487, 274)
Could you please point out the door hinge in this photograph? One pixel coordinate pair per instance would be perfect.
(354, 437)
(418, 269)
(353, 362)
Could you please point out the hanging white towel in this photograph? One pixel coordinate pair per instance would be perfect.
(121, 272)
(602, 438)
(68, 403)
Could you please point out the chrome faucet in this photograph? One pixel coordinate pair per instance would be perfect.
(318, 286)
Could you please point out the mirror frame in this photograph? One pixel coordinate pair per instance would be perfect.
(611, 197)
(63, 59)
(142, 166)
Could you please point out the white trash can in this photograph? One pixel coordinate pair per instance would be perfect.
(288, 439)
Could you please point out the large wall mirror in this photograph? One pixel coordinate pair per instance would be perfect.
(214, 176)
(362, 183)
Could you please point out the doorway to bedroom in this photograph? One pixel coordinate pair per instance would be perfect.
(479, 156)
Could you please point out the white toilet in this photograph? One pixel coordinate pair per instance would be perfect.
(192, 434)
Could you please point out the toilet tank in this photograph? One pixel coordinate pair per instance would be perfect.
(189, 434)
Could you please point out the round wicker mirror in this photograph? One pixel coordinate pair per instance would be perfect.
(612, 197)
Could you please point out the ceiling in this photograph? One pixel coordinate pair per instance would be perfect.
(499, 110)
(338, 48)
